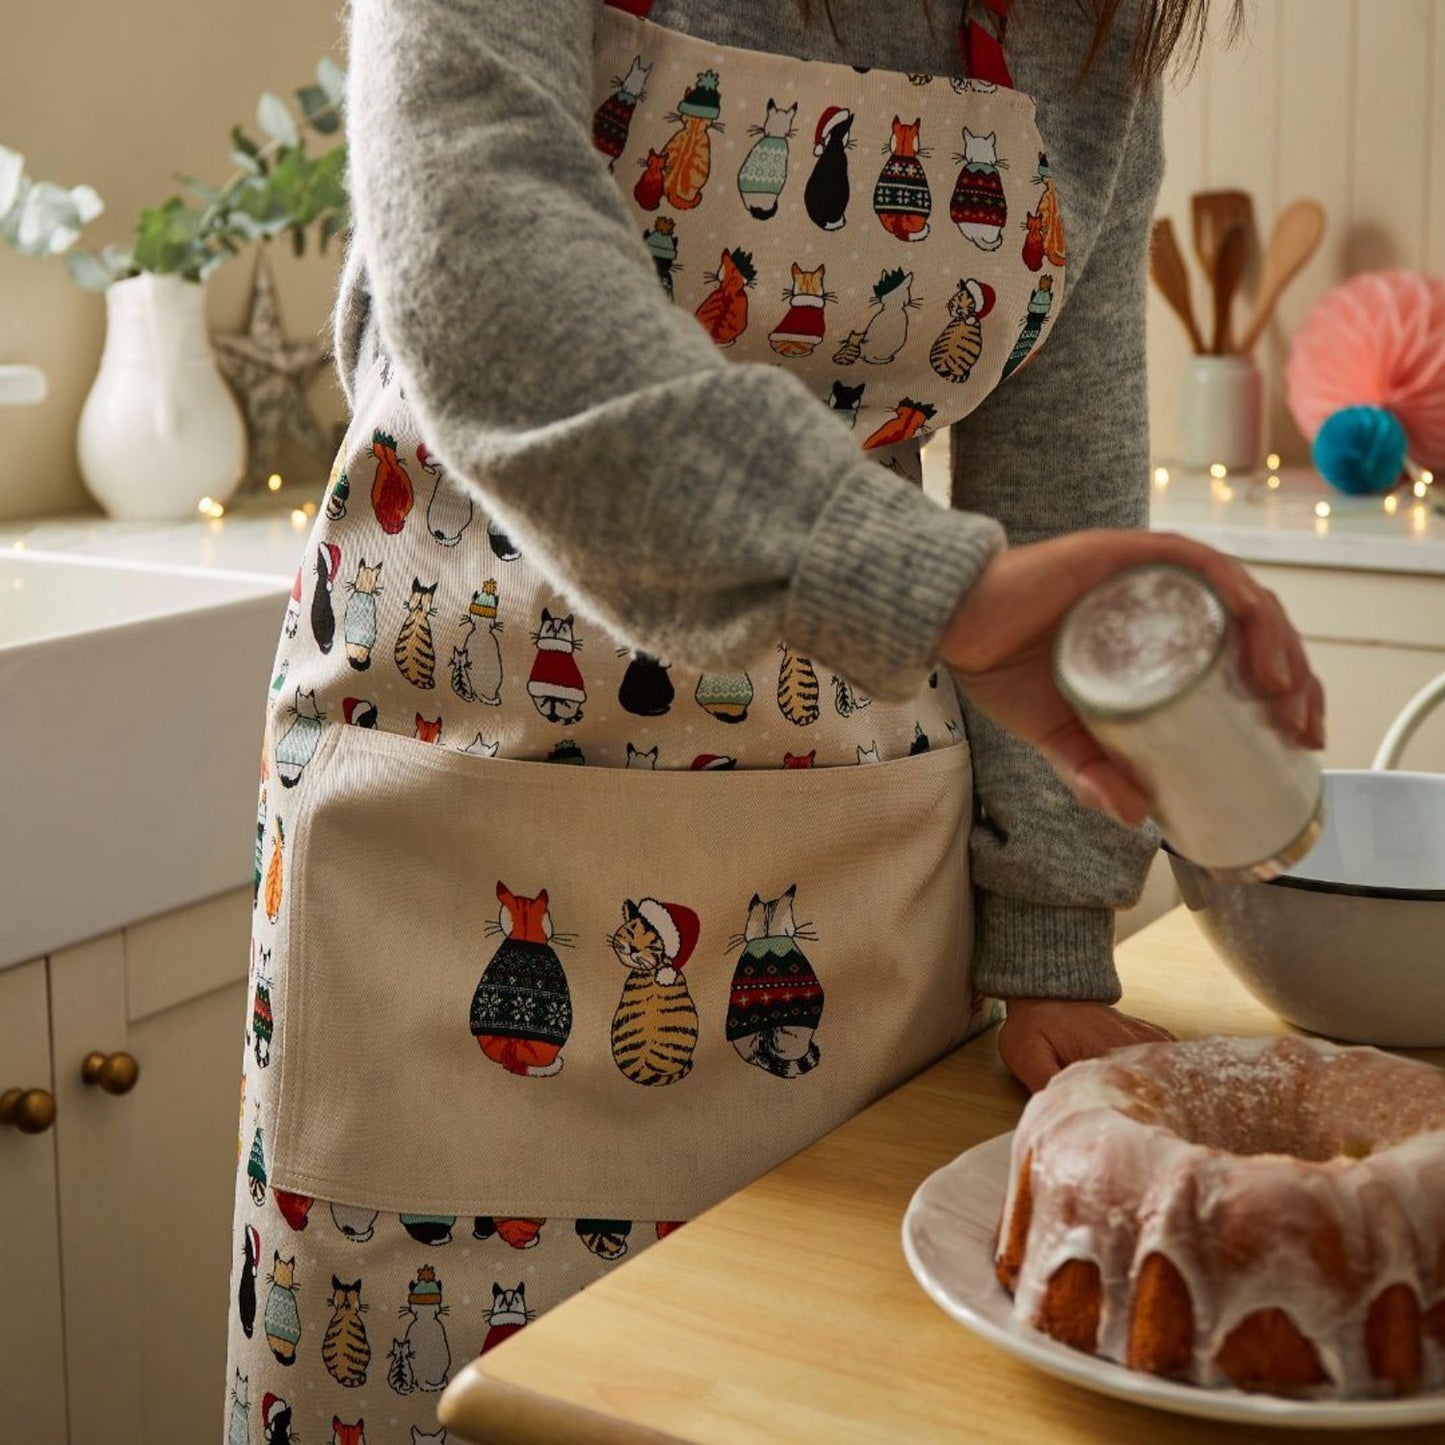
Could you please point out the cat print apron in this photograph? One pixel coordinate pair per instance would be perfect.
(552, 936)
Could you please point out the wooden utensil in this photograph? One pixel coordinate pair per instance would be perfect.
(1168, 272)
(1214, 212)
(1228, 269)
(1294, 239)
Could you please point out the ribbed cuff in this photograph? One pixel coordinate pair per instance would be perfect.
(880, 575)
(1030, 950)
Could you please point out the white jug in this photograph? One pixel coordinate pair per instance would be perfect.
(160, 429)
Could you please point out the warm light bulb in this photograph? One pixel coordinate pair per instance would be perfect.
(1427, 477)
(1419, 518)
(309, 508)
(215, 511)
(298, 517)
(1272, 461)
(1421, 487)
(1161, 476)
(1274, 484)
(1322, 509)
(274, 481)
(204, 505)
(1218, 470)
(1392, 504)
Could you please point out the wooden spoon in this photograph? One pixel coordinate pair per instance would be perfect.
(1168, 272)
(1295, 238)
(1228, 269)
(1214, 212)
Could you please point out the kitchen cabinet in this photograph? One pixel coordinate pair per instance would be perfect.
(117, 1219)
(32, 1362)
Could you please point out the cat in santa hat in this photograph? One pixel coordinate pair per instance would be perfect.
(654, 1030)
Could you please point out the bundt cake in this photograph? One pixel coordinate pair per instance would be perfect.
(1263, 1213)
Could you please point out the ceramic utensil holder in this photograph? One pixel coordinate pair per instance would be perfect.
(1221, 408)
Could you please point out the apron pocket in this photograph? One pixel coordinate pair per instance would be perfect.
(524, 988)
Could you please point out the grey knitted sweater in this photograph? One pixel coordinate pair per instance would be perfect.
(492, 253)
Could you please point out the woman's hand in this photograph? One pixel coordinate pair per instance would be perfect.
(1040, 1036)
(1000, 641)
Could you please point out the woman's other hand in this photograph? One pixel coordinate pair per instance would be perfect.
(999, 642)
(1040, 1036)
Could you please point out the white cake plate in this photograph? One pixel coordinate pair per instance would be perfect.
(948, 1235)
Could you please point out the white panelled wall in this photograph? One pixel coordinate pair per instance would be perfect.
(1339, 100)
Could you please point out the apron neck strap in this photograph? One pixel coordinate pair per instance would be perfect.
(980, 36)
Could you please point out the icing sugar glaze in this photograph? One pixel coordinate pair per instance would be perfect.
(1283, 1174)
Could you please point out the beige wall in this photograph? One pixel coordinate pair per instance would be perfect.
(121, 97)
(1341, 100)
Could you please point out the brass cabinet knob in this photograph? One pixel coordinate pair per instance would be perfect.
(115, 1073)
(32, 1111)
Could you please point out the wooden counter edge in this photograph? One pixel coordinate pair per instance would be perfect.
(518, 1416)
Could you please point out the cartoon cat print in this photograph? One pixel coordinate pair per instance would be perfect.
(764, 171)
(654, 1029)
(775, 1003)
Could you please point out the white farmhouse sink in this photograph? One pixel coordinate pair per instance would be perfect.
(48, 595)
(131, 701)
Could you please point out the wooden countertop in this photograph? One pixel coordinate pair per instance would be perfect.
(788, 1313)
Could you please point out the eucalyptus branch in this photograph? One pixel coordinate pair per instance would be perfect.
(275, 187)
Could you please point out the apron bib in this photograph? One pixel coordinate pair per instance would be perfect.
(549, 927)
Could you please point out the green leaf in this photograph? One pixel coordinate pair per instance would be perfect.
(209, 194)
(243, 143)
(10, 223)
(49, 221)
(319, 109)
(88, 271)
(273, 116)
(332, 79)
(88, 205)
(246, 226)
(12, 173)
(334, 225)
(167, 240)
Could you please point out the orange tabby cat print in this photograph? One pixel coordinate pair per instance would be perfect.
(901, 199)
(724, 311)
(521, 1013)
(649, 188)
(689, 151)
(654, 1028)
(803, 325)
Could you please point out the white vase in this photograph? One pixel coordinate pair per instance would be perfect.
(160, 429)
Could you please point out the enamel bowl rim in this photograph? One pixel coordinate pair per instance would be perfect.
(1346, 890)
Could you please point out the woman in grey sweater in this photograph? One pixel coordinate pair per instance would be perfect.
(647, 311)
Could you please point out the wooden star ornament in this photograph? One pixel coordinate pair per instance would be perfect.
(271, 376)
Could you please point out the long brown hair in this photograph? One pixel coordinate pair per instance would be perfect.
(1170, 31)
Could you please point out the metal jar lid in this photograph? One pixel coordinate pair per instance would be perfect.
(1138, 641)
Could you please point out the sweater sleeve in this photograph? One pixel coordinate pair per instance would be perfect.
(698, 508)
(1062, 447)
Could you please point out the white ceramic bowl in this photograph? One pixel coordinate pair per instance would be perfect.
(1350, 943)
